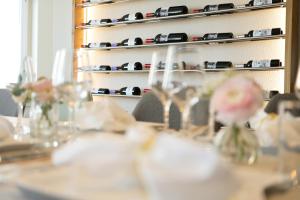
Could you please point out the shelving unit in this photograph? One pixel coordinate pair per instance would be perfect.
(269, 16)
(203, 42)
(191, 71)
(188, 16)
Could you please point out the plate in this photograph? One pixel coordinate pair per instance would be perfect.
(65, 183)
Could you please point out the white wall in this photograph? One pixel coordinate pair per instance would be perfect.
(51, 30)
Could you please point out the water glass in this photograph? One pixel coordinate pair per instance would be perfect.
(289, 139)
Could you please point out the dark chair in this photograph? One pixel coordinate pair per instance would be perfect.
(7, 105)
(149, 109)
(272, 106)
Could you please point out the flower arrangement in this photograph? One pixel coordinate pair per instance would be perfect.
(43, 93)
(233, 103)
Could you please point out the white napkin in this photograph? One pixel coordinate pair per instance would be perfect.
(103, 115)
(6, 128)
(178, 169)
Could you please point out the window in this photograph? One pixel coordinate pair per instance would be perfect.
(10, 39)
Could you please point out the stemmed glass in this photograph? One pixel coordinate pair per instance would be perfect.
(297, 84)
(155, 82)
(69, 90)
(183, 88)
(22, 97)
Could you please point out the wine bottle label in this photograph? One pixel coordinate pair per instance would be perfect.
(211, 65)
(131, 17)
(261, 63)
(263, 32)
(164, 12)
(262, 2)
(212, 36)
(163, 38)
(128, 91)
(131, 66)
(131, 42)
(213, 8)
(93, 45)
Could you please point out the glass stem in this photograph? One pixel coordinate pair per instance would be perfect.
(19, 124)
(185, 121)
(72, 118)
(167, 106)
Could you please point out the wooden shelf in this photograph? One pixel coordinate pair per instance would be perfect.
(188, 16)
(202, 42)
(189, 71)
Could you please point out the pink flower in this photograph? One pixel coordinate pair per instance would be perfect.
(43, 89)
(237, 100)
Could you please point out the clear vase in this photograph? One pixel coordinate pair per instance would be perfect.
(43, 123)
(238, 143)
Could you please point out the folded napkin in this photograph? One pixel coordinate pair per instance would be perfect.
(179, 169)
(103, 115)
(6, 128)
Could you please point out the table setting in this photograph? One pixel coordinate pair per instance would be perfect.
(102, 152)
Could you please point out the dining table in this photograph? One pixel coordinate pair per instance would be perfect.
(259, 176)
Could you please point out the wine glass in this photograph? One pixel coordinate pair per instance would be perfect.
(182, 87)
(297, 84)
(72, 92)
(22, 96)
(155, 81)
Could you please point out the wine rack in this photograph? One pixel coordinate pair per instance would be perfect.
(240, 19)
(202, 42)
(187, 16)
(263, 69)
(104, 2)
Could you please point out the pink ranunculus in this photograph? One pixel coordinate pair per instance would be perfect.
(44, 90)
(237, 100)
(42, 85)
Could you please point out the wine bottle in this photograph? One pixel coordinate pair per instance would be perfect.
(98, 45)
(101, 91)
(264, 32)
(225, 6)
(131, 66)
(102, 68)
(131, 17)
(129, 91)
(171, 11)
(131, 42)
(263, 63)
(262, 2)
(217, 65)
(218, 36)
(172, 37)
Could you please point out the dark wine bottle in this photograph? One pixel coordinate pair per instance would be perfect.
(262, 2)
(131, 42)
(263, 63)
(172, 37)
(225, 6)
(131, 66)
(101, 91)
(129, 91)
(264, 32)
(131, 17)
(171, 11)
(218, 36)
(102, 68)
(217, 65)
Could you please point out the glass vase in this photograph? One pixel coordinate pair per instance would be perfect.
(238, 143)
(44, 123)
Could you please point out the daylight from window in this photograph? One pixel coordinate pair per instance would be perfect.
(10, 40)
